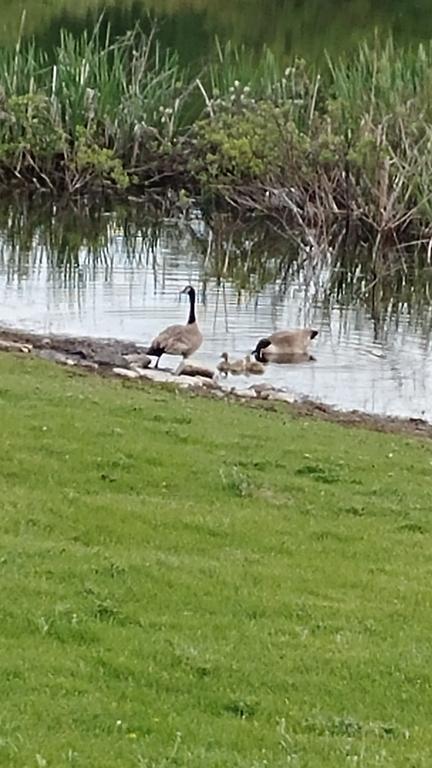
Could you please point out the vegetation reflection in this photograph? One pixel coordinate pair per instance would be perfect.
(190, 26)
(77, 244)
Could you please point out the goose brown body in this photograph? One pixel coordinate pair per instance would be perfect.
(280, 346)
(179, 340)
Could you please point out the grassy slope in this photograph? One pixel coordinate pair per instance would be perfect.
(160, 609)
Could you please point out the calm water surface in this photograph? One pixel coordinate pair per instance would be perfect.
(126, 284)
(305, 27)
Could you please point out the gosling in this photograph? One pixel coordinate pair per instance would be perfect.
(226, 366)
(253, 366)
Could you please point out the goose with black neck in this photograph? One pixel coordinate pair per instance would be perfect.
(179, 340)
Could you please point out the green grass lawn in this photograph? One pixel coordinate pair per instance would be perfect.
(193, 583)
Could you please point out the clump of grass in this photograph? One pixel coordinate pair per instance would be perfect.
(92, 112)
(235, 481)
(345, 150)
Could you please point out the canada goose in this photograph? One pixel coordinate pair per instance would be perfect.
(226, 367)
(253, 366)
(281, 346)
(181, 340)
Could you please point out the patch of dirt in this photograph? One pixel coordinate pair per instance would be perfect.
(365, 420)
(110, 352)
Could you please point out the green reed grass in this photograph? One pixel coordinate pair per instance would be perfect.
(354, 139)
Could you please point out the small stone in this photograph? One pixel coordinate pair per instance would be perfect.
(263, 395)
(154, 374)
(195, 369)
(109, 357)
(283, 397)
(206, 383)
(262, 387)
(56, 357)
(187, 382)
(137, 360)
(13, 346)
(246, 394)
(125, 373)
(140, 371)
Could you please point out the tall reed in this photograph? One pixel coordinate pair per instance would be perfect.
(349, 145)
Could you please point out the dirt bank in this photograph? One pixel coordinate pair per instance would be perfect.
(128, 360)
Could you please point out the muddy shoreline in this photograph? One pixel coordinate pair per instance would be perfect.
(128, 360)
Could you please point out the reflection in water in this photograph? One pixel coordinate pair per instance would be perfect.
(308, 27)
(118, 274)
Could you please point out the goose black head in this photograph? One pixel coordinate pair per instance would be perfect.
(257, 352)
(189, 291)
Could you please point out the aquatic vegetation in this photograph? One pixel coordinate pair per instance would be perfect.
(92, 112)
(343, 152)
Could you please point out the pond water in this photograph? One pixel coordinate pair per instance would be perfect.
(107, 276)
(306, 27)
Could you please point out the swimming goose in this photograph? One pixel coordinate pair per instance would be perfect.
(253, 366)
(226, 367)
(281, 346)
(181, 340)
